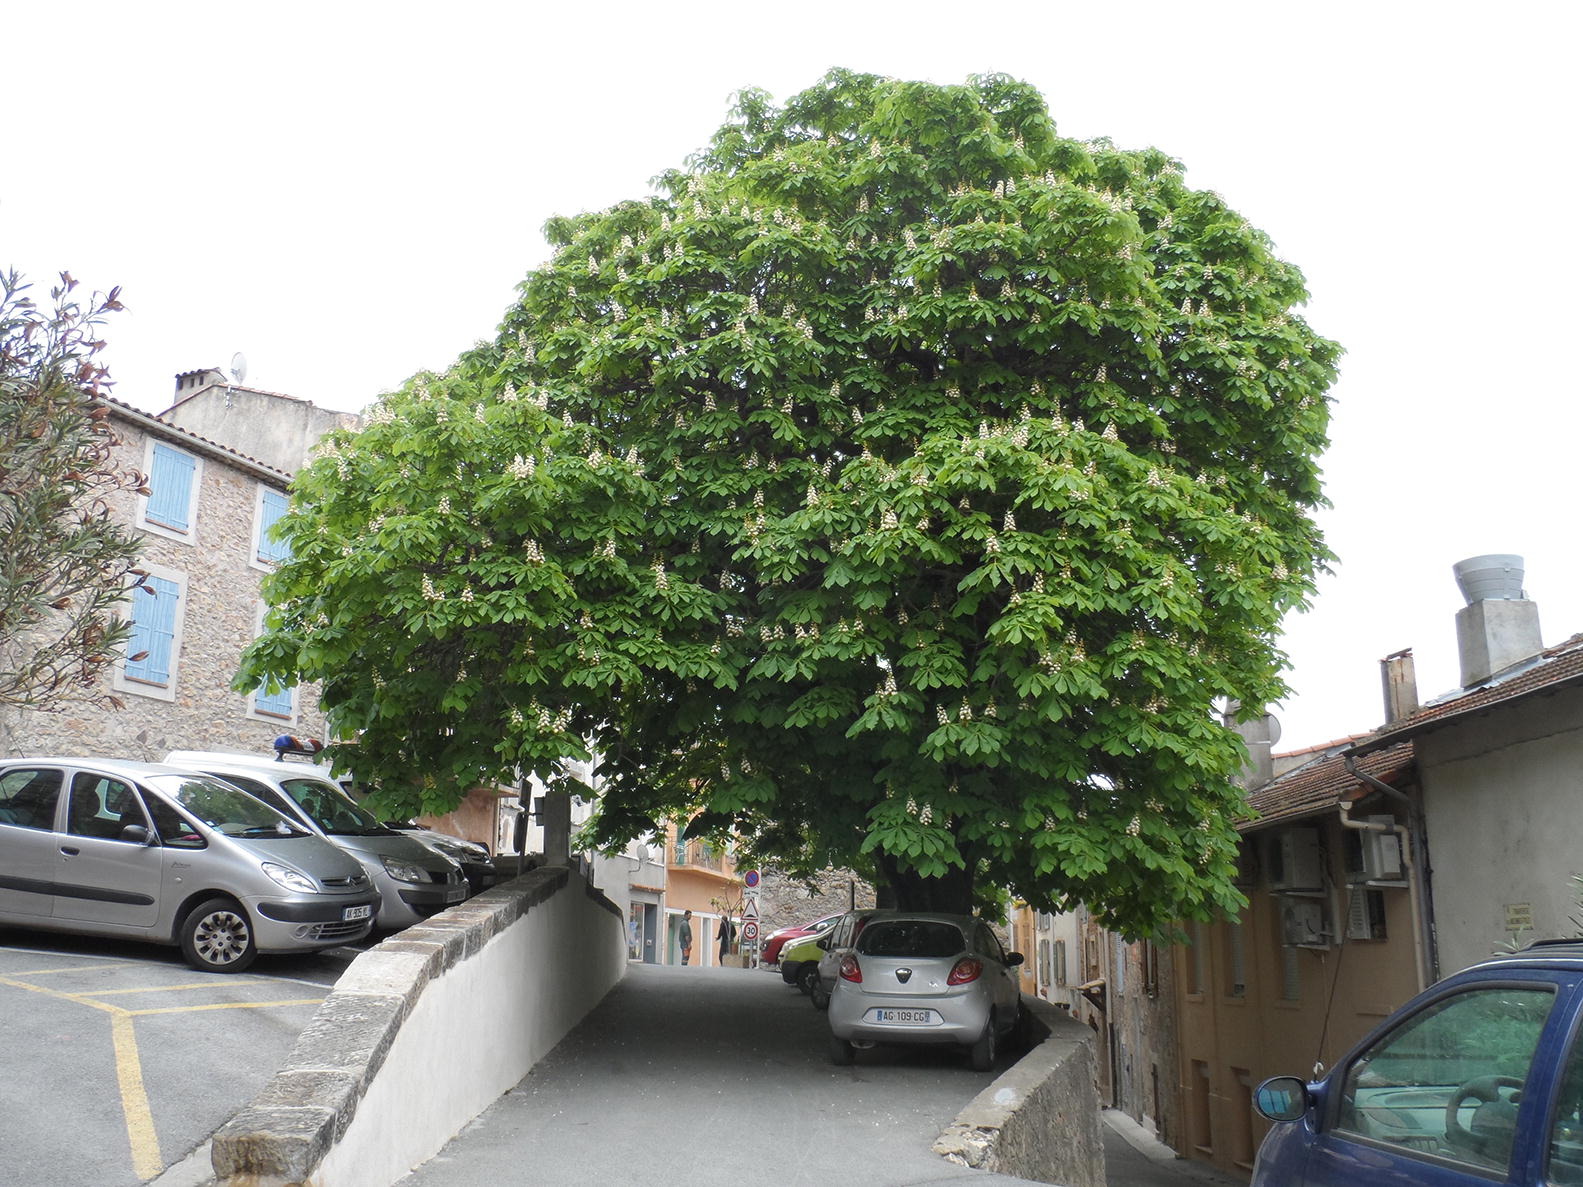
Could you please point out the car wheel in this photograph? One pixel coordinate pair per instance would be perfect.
(982, 1053)
(807, 978)
(840, 1052)
(216, 937)
(818, 994)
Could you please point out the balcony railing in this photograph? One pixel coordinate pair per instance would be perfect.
(698, 853)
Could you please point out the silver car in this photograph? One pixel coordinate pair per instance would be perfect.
(145, 851)
(414, 881)
(924, 978)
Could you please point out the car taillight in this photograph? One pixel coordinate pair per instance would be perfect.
(851, 970)
(965, 970)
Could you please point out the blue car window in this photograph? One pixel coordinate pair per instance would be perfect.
(1565, 1148)
(1447, 1082)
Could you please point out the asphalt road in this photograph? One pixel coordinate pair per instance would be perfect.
(117, 1059)
(712, 1076)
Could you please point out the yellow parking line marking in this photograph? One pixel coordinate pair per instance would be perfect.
(301, 1001)
(167, 988)
(146, 1160)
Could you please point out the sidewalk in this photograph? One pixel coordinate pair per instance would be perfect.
(1133, 1158)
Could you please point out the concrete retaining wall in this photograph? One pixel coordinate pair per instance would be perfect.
(1041, 1119)
(425, 1032)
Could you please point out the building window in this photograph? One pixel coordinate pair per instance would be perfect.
(1242, 1145)
(1236, 963)
(171, 506)
(271, 506)
(154, 645)
(1198, 957)
(1291, 975)
(280, 705)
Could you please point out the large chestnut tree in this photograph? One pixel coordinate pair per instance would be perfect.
(901, 484)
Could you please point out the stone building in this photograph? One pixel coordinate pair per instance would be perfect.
(206, 547)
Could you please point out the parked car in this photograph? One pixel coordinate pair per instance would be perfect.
(925, 978)
(477, 866)
(800, 963)
(835, 944)
(151, 852)
(776, 942)
(414, 881)
(1477, 1080)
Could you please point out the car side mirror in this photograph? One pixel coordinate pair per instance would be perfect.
(822, 943)
(1013, 959)
(1282, 1098)
(137, 834)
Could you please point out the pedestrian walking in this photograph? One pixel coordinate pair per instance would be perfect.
(728, 934)
(685, 935)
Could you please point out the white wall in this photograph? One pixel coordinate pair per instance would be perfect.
(1503, 805)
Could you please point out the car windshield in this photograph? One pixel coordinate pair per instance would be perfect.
(912, 938)
(224, 808)
(331, 810)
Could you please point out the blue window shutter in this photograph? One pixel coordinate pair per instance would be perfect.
(272, 507)
(153, 630)
(171, 503)
(276, 705)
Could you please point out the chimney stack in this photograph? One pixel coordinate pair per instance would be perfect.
(1499, 626)
(1400, 679)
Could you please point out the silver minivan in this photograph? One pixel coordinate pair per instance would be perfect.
(146, 851)
(414, 881)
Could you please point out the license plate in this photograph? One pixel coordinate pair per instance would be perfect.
(456, 894)
(362, 912)
(903, 1016)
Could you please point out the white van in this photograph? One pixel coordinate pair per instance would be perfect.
(413, 880)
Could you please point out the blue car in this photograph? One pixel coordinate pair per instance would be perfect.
(1477, 1080)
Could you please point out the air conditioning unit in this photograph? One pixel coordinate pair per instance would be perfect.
(1292, 861)
(1303, 924)
(1366, 914)
(1373, 856)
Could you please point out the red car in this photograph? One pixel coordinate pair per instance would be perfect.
(777, 939)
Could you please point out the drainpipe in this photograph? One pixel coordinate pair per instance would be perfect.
(1424, 953)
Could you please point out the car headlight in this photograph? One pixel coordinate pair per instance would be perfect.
(404, 871)
(289, 878)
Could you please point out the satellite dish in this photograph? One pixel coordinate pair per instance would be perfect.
(238, 367)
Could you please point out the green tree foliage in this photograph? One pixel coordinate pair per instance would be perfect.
(66, 558)
(903, 484)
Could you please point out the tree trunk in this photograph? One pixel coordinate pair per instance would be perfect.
(906, 890)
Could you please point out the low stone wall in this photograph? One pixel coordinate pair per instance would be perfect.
(426, 1031)
(1041, 1119)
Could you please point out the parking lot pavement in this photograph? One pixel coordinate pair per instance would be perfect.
(119, 1059)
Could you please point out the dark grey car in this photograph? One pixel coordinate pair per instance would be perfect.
(152, 852)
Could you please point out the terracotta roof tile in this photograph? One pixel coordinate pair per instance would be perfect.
(1321, 785)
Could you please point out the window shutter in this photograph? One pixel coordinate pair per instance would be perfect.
(271, 507)
(170, 504)
(276, 705)
(153, 630)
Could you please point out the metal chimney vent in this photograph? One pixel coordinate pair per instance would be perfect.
(1497, 577)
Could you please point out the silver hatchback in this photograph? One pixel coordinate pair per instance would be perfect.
(146, 851)
(924, 978)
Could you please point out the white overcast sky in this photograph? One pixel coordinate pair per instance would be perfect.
(348, 192)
